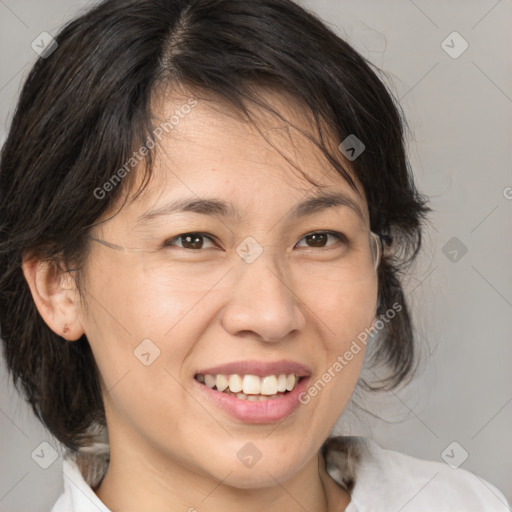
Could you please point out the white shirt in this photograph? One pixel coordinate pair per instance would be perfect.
(385, 481)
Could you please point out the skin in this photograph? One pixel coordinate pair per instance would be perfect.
(171, 448)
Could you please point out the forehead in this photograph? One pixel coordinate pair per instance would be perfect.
(213, 152)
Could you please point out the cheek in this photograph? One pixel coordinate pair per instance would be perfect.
(345, 310)
(343, 315)
(134, 299)
(141, 328)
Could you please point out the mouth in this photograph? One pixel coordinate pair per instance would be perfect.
(254, 391)
(251, 387)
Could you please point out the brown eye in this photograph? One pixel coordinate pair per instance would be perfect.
(320, 239)
(317, 239)
(192, 241)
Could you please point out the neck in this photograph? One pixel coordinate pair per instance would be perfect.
(134, 483)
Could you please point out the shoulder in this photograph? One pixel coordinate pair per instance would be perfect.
(381, 479)
(80, 475)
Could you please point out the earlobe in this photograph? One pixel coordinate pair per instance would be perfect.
(55, 296)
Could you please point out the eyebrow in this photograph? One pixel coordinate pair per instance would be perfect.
(218, 208)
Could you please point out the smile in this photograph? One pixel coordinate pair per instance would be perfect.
(251, 387)
(254, 391)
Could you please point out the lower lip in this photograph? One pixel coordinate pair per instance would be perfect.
(266, 411)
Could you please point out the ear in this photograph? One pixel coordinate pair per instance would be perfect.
(56, 297)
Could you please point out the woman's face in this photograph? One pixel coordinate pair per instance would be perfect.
(249, 289)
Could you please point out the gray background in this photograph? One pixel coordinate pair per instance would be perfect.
(460, 113)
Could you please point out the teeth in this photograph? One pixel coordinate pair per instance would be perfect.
(269, 385)
(235, 383)
(290, 382)
(221, 382)
(251, 387)
(209, 380)
(281, 383)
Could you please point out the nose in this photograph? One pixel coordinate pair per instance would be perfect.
(263, 303)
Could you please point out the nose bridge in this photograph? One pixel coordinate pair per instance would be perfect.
(263, 300)
(267, 275)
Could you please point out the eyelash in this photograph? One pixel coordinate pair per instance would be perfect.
(169, 243)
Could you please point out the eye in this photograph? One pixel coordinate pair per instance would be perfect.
(320, 238)
(196, 241)
(193, 241)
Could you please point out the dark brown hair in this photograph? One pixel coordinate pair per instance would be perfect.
(84, 108)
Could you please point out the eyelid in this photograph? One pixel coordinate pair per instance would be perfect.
(167, 242)
(337, 234)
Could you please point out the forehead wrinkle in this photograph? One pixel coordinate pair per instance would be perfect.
(324, 201)
(212, 207)
(216, 207)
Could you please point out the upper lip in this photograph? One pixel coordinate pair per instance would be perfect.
(258, 368)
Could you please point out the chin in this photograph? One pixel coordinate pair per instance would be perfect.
(253, 478)
(264, 471)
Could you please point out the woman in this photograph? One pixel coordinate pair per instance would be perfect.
(205, 209)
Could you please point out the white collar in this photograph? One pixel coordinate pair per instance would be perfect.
(384, 480)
